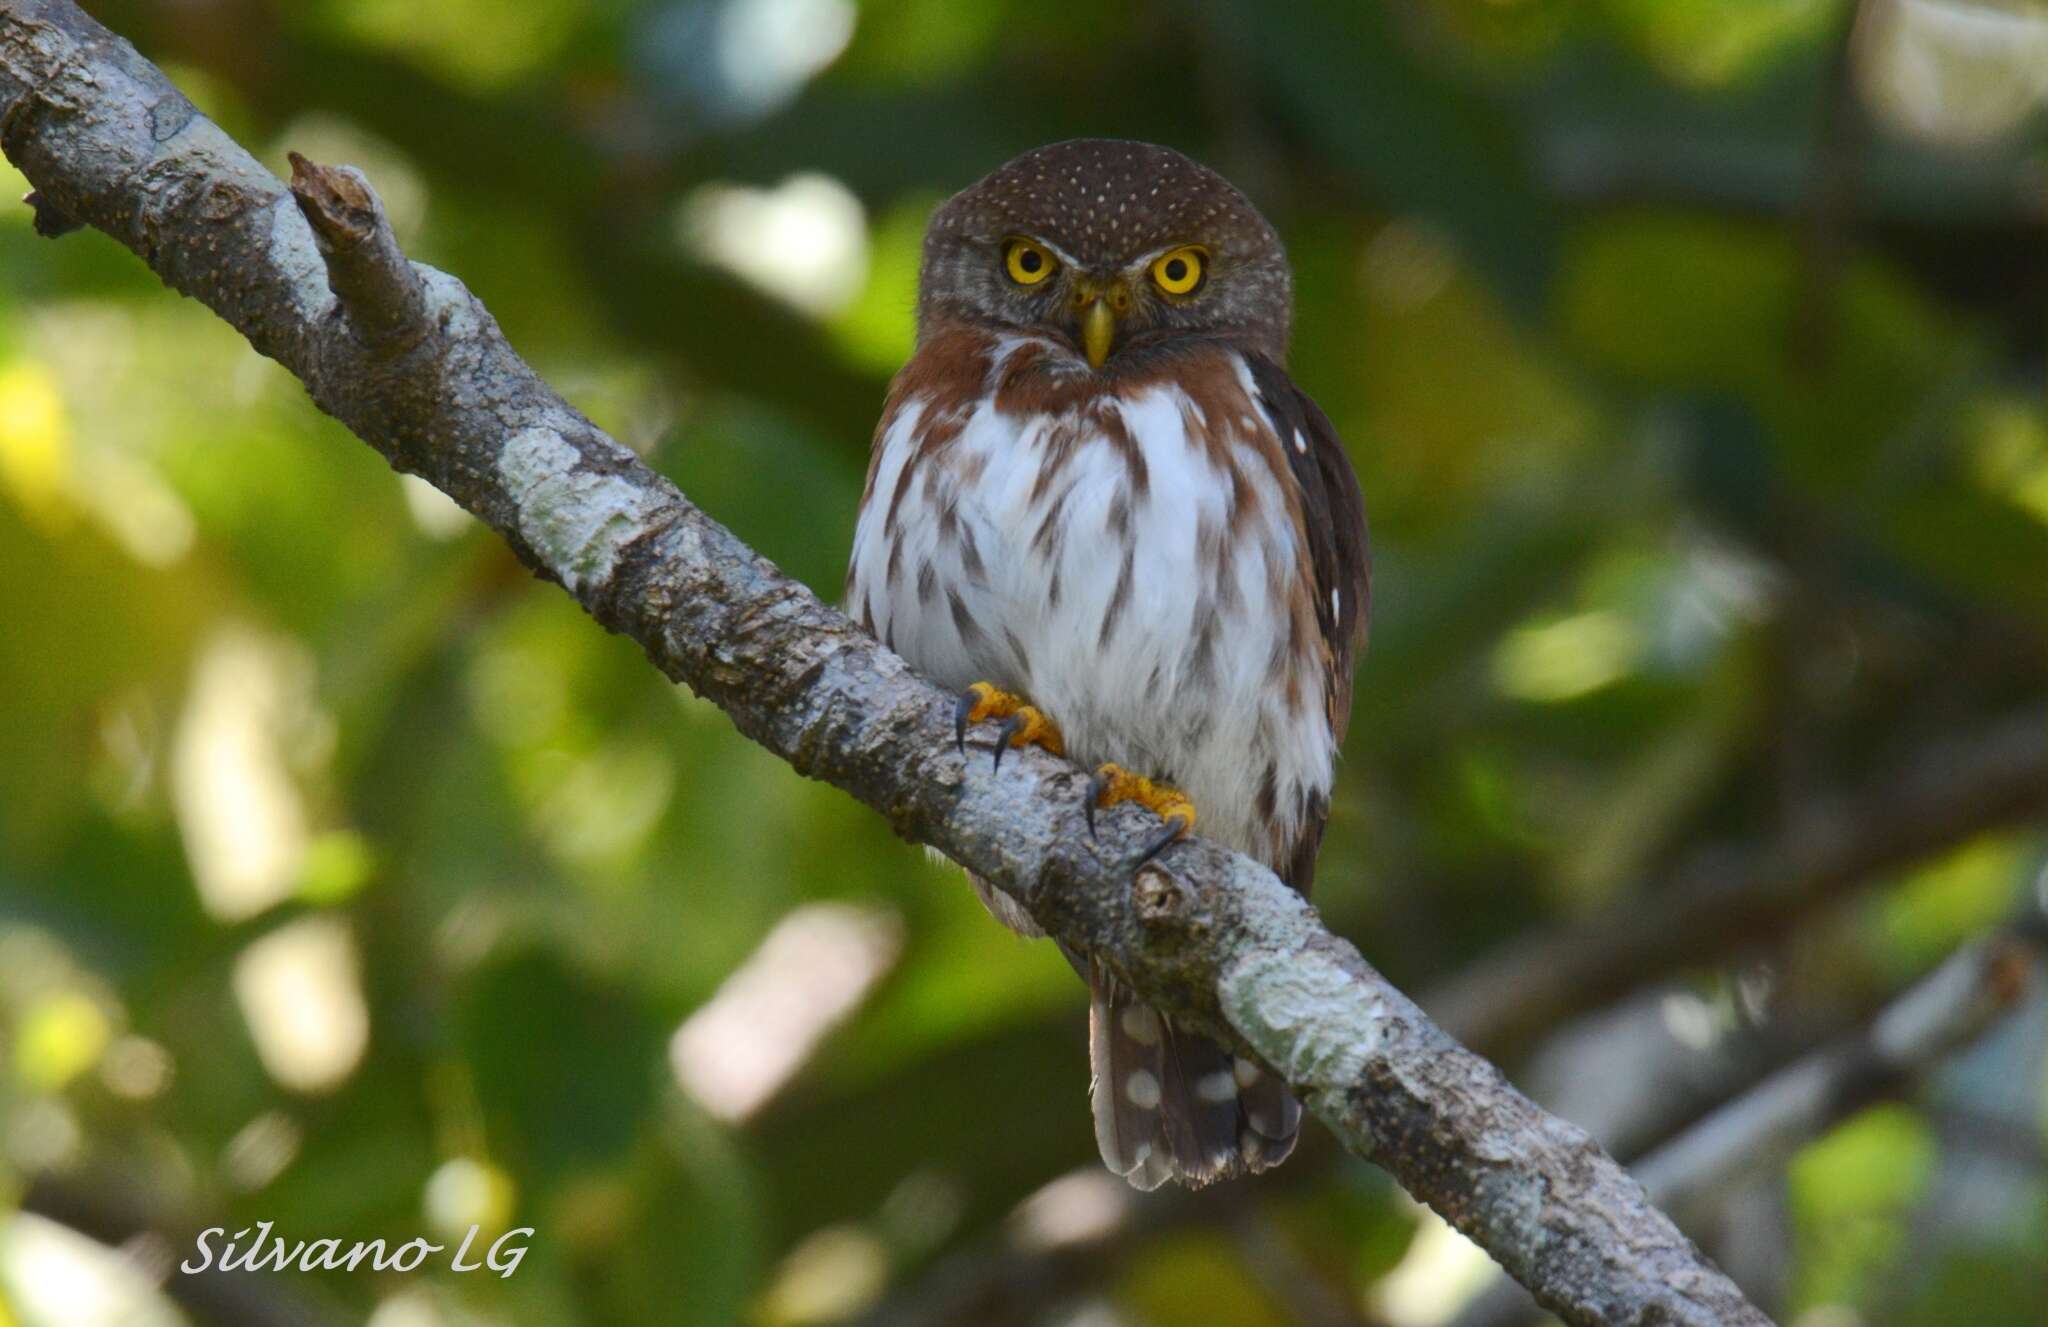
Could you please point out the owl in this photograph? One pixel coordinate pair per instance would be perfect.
(1098, 508)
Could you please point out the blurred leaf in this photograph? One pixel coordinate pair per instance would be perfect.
(878, 332)
(1196, 1276)
(477, 46)
(1951, 901)
(1985, 1286)
(58, 1038)
(1850, 1194)
(337, 865)
(582, 1102)
(910, 41)
(1711, 42)
(686, 1244)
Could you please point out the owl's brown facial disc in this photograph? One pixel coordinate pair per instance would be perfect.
(1108, 245)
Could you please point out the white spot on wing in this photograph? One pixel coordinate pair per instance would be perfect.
(1142, 1089)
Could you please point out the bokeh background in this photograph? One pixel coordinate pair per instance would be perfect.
(1691, 354)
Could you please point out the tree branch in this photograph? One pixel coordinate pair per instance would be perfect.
(1724, 896)
(1998, 776)
(1949, 1009)
(1758, 1132)
(413, 363)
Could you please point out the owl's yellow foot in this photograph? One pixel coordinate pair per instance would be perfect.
(1114, 783)
(1023, 725)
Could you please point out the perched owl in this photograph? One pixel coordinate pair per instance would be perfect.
(1099, 508)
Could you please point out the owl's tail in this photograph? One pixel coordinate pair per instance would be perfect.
(1173, 1105)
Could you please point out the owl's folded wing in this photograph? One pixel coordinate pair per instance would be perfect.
(1333, 511)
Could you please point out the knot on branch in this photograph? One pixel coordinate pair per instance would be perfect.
(1160, 898)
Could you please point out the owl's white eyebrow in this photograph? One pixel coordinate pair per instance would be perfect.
(1066, 259)
(1154, 255)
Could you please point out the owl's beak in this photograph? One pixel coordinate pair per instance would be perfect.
(1098, 331)
(1097, 307)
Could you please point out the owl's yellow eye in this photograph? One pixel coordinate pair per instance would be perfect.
(1179, 271)
(1027, 262)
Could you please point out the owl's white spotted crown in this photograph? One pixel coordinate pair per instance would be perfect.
(1105, 206)
(1103, 200)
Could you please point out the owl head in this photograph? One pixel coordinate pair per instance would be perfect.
(1112, 247)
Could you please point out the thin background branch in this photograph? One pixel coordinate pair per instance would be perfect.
(1758, 1132)
(1728, 894)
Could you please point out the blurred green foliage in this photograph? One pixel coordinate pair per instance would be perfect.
(1695, 388)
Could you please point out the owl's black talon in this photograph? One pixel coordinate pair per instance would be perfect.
(961, 710)
(1111, 784)
(1176, 829)
(1003, 736)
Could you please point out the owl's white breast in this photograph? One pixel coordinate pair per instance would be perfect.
(1115, 593)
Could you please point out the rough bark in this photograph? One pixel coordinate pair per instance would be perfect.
(416, 367)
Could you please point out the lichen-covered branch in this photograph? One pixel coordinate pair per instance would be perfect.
(409, 360)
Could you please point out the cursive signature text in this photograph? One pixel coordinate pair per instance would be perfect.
(268, 1252)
